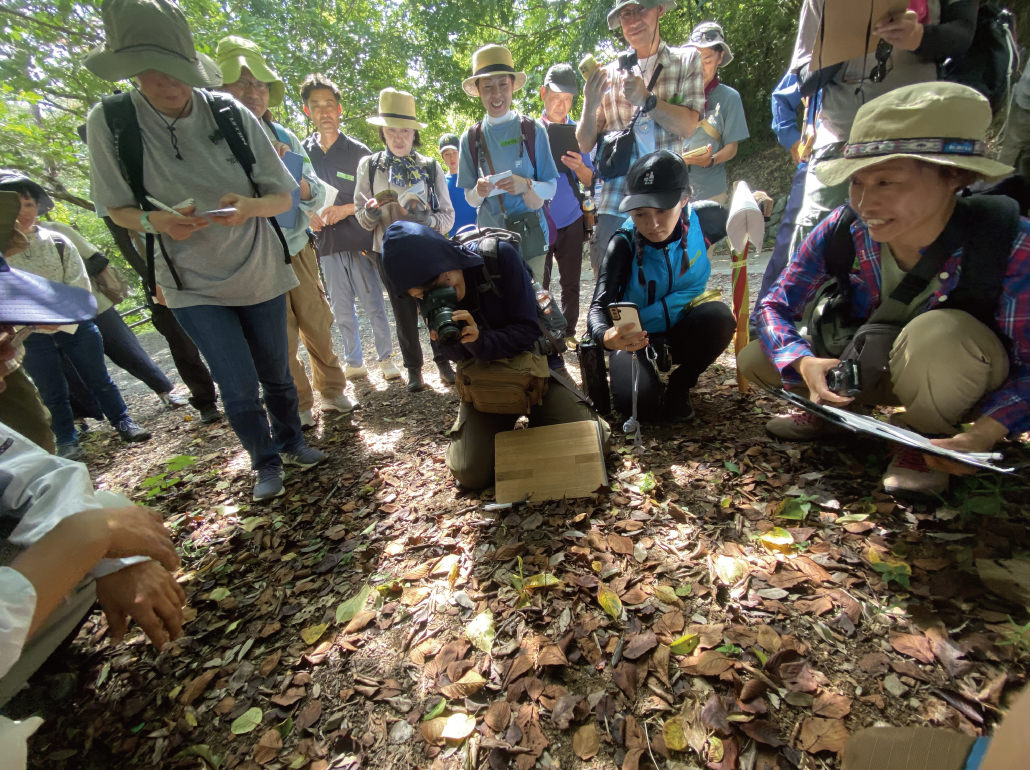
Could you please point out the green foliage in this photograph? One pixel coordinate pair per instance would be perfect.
(160, 483)
(899, 573)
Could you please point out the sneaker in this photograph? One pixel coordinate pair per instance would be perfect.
(269, 484)
(304, 457)
(209, 413)
(446, 371)
(172, 400)
(359, 371)
(389, 369)
(307, 420)
(909, 475)
(70, 451)
(415, 383)
(796, 425)
(341, 404)
(131, 432)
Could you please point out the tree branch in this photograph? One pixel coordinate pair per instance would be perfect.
(48, 25)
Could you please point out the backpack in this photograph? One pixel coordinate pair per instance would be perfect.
(528, 128)
(991, 63)
(120, 116)
(430, 167)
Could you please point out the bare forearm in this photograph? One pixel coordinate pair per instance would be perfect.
(586, 129)
(270, 205)
(680, 120)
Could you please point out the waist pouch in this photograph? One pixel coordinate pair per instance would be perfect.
(531, 234)
(504, 386)
(614, 152)
(871, 348)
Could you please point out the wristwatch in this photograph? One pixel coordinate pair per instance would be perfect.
(650, 103)
(711, 161)
(144, 220)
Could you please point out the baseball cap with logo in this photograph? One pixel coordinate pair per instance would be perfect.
(658, 180)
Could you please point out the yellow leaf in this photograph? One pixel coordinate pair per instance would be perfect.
(191, 718)
(685, 645)
(778, 539)
(874, 557)
(542, 580)
(609, 601)
(312, 634)
(715, 749)
(675, 739)
(666, 594)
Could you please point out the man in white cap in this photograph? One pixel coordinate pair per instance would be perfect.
(669, 111)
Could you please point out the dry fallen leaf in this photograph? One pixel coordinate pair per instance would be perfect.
(609, 601)
(585, 743)
(914, 645)
(471, 683)
(823, 735)
(456, 727)
(268, 747)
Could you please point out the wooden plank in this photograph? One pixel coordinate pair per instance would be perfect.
(549, 463)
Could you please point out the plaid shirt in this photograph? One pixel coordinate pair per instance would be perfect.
(680, 83)
(783, 306)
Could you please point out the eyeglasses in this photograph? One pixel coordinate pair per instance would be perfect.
(630, 14)
(251, 84)
(706, 35)
(883, 53)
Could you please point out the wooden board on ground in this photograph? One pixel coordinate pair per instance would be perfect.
(549, 463)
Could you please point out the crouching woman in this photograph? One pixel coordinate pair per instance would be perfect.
(494, 308)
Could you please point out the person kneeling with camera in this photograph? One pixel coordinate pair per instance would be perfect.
(482, 310)
(656, 271)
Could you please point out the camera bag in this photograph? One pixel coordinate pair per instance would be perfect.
(505, 385)
(615, 148)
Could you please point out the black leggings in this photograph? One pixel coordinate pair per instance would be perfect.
(701, 334)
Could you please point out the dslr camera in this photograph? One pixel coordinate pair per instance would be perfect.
(845, 379)
(627, 60)
(438, 306)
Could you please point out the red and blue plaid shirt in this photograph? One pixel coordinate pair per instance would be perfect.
(782, 308)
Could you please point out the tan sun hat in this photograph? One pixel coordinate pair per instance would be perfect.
(492, 60)
(234, 53)
(940, 122)
(145, 35)
(396, 109)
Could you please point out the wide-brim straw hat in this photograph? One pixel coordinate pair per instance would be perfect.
(234, 53)
(492, 60)
(396, 109)
(614, 22)
(145, 35)
(709, 34)
(940, 122)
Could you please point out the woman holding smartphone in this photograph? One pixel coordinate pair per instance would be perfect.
(657, 267)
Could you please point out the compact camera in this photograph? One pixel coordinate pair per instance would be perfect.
(627, 60)
(438, 306)
(845, 379)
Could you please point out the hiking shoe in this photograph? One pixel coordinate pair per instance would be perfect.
(340, 404)
(446, 371)
(389, 369)
(796, 425)
(131, 432)
(678, 407)
(172, 401)
(909, 475)
(209, 413)
(269, 484)
(303, 456)
(356, 372)
(415, 383)
(70, 451)
(307, 420)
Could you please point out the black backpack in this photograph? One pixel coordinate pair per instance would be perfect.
(120, 116)
(991, 63)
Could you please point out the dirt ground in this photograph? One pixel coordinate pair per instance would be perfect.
(728, 601)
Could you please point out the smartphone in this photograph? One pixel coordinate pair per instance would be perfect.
(625, 315)
(228, 210)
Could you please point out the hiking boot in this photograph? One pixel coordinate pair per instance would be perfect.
(796, 425)
(415, 383)
(389, 369)
(909, 475)
(446, 371)
(359, 371)
(303, 457)
(209, 413)
(70, 451)
(131, 432)
(269, 484)
(677, 407)
(307, 420)
(340, 404)
(172, 401)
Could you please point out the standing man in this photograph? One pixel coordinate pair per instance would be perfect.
(612, 95)
(464, 214)
(557, 93)
(344, 246)
(250, 80)
(511, 150)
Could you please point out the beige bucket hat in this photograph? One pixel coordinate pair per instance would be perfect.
(233, 53)
(396, 109)
(940, 122)
(492, 60)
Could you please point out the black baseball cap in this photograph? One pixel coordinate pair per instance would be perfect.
(658, 180)
(562, 78)
(448, 140)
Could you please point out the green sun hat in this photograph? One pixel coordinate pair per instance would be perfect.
(233, 53)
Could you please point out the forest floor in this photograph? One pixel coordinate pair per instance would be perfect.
(728, 601)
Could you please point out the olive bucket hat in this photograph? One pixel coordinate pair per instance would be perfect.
(233, 53)
(942, 123)
(145, 35)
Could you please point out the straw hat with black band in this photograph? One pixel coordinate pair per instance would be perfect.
(942, 123)
(233, 53)
(492, 60)
(397, 110)
(150, 35)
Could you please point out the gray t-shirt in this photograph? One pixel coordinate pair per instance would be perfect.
(217, 265)
(724, 116)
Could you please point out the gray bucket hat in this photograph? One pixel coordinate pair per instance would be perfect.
(145, 35)
(613, 15)
(15, 181)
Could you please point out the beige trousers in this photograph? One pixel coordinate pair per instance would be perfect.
(942, 364)
(309, 318)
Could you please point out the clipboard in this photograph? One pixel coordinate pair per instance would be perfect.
(841, 34)
(295, 165)
(562, 138)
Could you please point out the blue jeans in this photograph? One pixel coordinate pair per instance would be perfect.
(85, 349)
(246, 346)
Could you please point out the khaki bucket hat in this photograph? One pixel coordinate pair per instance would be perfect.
(940, 122)
(396, 109)
(149, 35)
(233, 53)
(614, 22)
(709, 34)
(492, 60)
